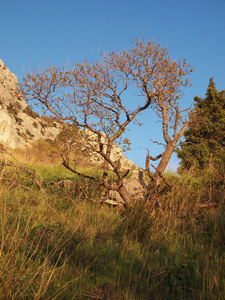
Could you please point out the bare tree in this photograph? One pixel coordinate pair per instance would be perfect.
(94, 97)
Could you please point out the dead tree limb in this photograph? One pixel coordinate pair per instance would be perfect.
(31, 173)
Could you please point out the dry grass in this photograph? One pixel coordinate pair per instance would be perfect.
(61, 244)
(38, 154)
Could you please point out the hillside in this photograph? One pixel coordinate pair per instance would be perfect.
(59, 242)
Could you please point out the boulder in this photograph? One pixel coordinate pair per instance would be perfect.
(135, 185)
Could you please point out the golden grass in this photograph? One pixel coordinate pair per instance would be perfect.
(62, 244)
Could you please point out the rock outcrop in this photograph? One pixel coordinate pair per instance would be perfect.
(135, 185)
(19, 125)
(116, 152)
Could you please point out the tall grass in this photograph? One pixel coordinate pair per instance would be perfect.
(62, 244)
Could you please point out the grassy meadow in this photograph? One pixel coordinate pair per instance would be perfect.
(61, 243)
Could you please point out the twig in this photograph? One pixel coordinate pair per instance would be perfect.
(17, 184)
(207, 205)
(28, 171)
(89, 296)
(24, 168)
(158, 143)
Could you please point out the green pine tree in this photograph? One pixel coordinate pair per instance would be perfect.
(205, 138)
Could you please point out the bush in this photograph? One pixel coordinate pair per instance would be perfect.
(30, 112)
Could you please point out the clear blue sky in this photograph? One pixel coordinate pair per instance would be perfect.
(34, 33)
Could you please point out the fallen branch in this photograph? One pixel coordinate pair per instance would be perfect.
(31, 173)
(15, 183)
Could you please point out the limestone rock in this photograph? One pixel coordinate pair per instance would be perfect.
(8, 87)
(19, 126)
(8, 133)
(135, 185)
(116, 153)
(64, 184)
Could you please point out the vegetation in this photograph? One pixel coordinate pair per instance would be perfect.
(60, 243)
(93, 97)
(205, 138)
(13, 109)
(30, 112)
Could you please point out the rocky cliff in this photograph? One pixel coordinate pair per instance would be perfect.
(19, 125)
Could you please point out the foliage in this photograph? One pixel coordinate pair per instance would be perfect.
(13, 109)
(205, 138)
(71, 145)
(49, 121)
(30, 112)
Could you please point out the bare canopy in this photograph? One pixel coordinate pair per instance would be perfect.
(95, 97)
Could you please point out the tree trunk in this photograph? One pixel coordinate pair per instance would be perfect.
(164, 161)
(125, 195)
(166, 157)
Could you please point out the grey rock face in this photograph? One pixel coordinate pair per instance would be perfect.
(136, 187)
(116, 153)
(18, 128)
(8, 87)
